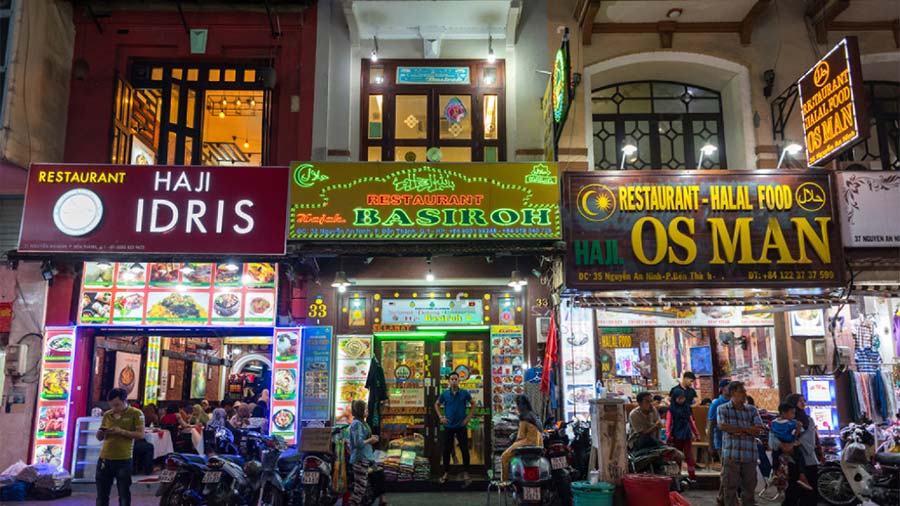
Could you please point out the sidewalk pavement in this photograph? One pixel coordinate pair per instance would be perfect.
(142, 495)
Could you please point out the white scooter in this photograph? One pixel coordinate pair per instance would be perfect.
(860, 477)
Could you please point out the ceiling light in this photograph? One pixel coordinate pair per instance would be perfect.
(491, 57)
(221, 114)
(674, 13)
(238, 102)
(374, 56)
(340, 281)
(516, 281)
(246, 144)
(224, 101)
(429, 276)
(231, 267)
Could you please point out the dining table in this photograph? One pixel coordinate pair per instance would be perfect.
(161, 441)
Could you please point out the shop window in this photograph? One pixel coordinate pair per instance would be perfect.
(880, 150)
(669, 123)
(406, 117)
(169, 114)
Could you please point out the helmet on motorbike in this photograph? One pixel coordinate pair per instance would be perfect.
(253, 469)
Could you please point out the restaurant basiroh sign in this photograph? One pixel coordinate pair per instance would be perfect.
(402, 201)
(155, 209)
(833, 103)
(709, 229)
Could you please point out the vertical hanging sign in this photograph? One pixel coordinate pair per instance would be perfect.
(832, 100)
(54, 394)
(286, 362)
(315, 403)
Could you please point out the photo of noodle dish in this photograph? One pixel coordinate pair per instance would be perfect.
(284, 418)
(285, 384)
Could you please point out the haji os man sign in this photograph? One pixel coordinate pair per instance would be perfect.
(710, 229)
(835, 114)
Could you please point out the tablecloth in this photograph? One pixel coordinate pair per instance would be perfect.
(161, 441)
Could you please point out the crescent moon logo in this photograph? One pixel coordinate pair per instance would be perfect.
(596, 202)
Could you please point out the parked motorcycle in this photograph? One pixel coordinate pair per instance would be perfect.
(281, 479)
(556, 448)
(531, 477)
(860, 476)
(581, 449)
(181, 480)
(237, 480)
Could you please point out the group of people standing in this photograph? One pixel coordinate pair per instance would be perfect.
(735, 432)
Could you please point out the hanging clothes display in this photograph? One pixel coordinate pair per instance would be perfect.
(872, 396)
(377, 387)
(863, 333)
(867, 360)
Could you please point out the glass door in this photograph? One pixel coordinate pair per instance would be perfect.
(467, 356)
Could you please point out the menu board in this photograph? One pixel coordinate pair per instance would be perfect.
(316, 366)
(53, 396)
(151, 381)
(821, 402)
(507, 366)
(432, 311)
(286, 362)
(579, 363)
(185, 294)
(354, 354)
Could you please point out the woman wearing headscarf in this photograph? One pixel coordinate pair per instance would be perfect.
(198, 416)
(362, 456)
(529, 434)
(219, 420)
(795, 495)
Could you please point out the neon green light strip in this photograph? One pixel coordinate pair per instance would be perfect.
(454, 328)
(410, 335)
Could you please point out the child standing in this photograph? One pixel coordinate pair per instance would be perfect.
(786, 430)
(681, 430)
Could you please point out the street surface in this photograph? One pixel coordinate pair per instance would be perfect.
(142, 495)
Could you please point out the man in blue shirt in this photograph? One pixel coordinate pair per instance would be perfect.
(714, 434)
(455, 417)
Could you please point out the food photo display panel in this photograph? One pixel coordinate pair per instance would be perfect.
(285, 385)
(184, 294)
(51, 427)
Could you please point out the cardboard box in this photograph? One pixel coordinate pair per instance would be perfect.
(315, 439)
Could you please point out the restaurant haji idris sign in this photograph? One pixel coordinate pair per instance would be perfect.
(701, 230)
(833, 103)
(404, 201)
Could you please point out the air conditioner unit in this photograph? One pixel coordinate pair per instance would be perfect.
(866, 165)
(816, 352)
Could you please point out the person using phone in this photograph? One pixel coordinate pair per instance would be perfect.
(119, 429)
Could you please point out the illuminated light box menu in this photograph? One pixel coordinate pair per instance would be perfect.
(184, 294)
(354, 355)
(316, 367)
(286, 360)
(53, 396)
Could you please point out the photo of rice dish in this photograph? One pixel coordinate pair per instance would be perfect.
(176, 307)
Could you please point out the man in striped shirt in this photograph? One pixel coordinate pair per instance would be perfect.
(740, 424)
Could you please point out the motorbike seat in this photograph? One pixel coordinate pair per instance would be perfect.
(327, 457)
(888, 459)
(191, 458)
(529, 450)
(290, 456)
(234, 459)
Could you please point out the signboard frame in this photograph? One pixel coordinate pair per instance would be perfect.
(832, 106)
(612, 271)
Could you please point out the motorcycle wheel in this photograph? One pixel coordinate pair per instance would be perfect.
(311, 497)
(173, 496)
(834, 488)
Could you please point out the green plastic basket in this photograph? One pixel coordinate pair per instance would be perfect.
(586, 494)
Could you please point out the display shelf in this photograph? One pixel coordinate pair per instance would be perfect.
(87, 450)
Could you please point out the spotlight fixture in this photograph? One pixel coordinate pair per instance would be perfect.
(136, 268)
(246, 143)
(491, 57)
(791, 149)
(374, 56)
(429, 276)
(237, 102)
(252, 102)
(674, 13)
(224, 101)
(707, 150)
(516, 280)
(231, 267)
(627, 150)
(340, 281)
(221, 114)
(103, 264)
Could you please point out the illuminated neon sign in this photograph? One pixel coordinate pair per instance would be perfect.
(398, 201)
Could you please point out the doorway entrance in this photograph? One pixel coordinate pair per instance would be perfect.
(416, 371)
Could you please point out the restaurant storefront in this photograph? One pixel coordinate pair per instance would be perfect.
(692, 271)
(176, 300)
(431, 270)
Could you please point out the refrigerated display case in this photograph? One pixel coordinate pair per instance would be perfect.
(87, 450)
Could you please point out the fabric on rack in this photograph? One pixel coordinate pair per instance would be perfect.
(879, 397)
(854, 396)
(860, 396)
(868, 360)
(890, 396)
(862, 338)
(896, 332)
(377, 387)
